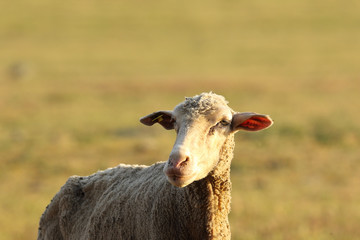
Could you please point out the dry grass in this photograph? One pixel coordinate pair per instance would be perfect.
(76, 77)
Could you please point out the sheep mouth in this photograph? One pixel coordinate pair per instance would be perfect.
(180, 180)
(178, 176)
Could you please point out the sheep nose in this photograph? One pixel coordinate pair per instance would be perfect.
(179, 160)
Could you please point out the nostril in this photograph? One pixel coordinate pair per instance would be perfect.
(179, 162)
(179, 159)
(184, 162)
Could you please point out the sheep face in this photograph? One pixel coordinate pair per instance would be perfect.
(197, 146)
(202, 123)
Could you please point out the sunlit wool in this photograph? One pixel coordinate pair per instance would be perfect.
(141, 202)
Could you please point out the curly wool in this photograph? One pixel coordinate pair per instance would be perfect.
(201, 104)
(137, 202)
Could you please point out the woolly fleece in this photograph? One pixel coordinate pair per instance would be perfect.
(137, 202)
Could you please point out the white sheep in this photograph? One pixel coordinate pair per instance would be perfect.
(190, 201)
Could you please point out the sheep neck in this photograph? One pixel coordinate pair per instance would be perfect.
(222, 170)
(219, 196)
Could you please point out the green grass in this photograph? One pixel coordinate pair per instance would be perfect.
(91, 69)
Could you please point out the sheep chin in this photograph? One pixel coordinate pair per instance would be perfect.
(180, 181)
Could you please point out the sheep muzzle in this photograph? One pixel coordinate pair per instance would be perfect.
(179, 168)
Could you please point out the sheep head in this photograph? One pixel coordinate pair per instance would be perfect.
(202, 123)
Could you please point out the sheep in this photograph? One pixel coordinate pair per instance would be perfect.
(186, 197)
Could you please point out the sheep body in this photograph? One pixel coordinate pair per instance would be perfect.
(105, 206)
(190, 201)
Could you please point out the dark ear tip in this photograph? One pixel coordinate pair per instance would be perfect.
(146, 121)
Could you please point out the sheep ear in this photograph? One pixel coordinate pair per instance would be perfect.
(250, 121)
(165, 118)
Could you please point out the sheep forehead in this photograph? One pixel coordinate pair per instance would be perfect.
(208, 105)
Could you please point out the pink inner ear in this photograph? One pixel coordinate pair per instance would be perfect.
(255, 123)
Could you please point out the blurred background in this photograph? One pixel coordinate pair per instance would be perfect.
(75, 77)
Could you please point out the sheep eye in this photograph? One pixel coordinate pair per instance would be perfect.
(224, 123)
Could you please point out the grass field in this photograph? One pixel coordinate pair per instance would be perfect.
(75, 77)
